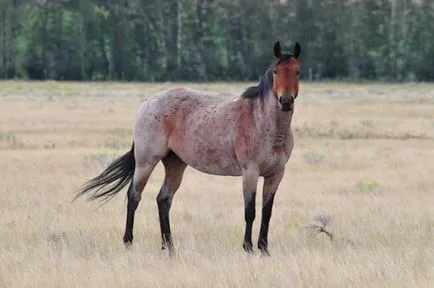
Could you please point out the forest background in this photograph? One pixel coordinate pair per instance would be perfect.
(214, 40)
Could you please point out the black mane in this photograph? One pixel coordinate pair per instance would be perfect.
(265, 81)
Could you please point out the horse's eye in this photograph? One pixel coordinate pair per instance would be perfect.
(274, 71)
(297, 73)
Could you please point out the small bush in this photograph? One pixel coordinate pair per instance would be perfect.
(368, 186)
(11, 140)
(367, 123)
(112, 143)
(313, 157)
(102, 159)
(320, 221)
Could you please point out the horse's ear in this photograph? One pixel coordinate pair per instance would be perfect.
(277, 50)
(297, 50)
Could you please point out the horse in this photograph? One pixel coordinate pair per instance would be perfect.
(249, 136)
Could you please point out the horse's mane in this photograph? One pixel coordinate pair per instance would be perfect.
(265, 81)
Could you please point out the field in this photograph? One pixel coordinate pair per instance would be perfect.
(363, 156)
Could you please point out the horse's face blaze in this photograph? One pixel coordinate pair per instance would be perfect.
(286, 77)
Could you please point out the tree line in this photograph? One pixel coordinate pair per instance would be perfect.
(209, 40)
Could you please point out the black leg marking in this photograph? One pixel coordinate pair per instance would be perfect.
(249, 216)
(174, 168)
(164, 204)
(263, 234)
(131, 210)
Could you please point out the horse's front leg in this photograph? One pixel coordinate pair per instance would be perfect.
(269, 190)
(250, 182)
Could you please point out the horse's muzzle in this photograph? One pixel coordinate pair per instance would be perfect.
(286, 103)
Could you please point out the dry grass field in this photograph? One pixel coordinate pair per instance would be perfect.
(364, 155)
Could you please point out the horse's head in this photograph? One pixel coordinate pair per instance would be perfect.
(286, 76)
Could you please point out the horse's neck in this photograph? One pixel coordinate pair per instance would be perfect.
(281, 121)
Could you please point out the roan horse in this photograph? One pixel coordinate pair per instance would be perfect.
(250, 137)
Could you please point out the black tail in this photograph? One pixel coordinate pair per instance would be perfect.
(115, 177)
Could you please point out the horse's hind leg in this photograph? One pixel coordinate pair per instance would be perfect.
(175, 168)
(141, 175)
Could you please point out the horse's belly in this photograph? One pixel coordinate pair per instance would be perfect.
(216, 169)
(211, 162)
(210, 159)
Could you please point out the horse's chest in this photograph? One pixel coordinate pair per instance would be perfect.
(274, 160)
(273, 156)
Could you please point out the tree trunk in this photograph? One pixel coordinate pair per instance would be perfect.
(44, 40)
(83, 36)
(2, 42)
(178, 33)
(13, 41)
(392, 39)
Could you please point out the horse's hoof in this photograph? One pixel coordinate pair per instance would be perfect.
(128, 240)
(171, 250)
(166, 245)
(264, 249)
(128, 237)
(264, 252)
(248, 247)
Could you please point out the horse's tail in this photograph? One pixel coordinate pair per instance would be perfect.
(115, 177)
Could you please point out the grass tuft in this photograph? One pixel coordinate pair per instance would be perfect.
(368, 186)
(101, 159)
(313, 157)
(11, 140)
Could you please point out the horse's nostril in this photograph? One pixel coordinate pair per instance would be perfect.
(286, 100)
